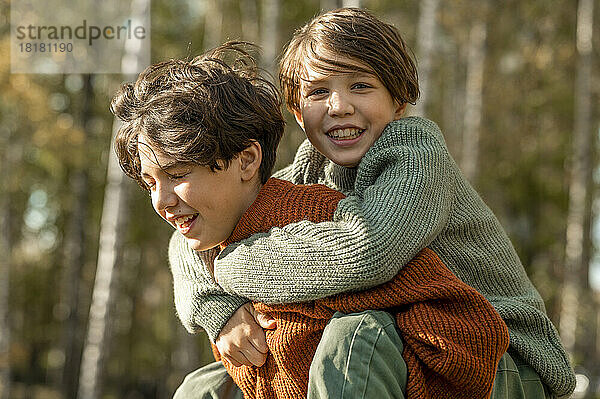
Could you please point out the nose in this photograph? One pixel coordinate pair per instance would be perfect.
(163, 197)
(339, 104)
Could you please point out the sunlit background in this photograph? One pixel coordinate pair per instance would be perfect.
(513, 85)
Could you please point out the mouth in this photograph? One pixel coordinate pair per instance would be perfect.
(184, 223)
(345, 134)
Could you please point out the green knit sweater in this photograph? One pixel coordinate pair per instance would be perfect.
(406, 194)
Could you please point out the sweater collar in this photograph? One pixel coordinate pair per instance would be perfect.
(340, 177)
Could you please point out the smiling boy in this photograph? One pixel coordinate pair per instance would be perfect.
(359, 94)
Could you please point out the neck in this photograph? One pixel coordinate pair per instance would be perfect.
(251, 197)
(251, 193)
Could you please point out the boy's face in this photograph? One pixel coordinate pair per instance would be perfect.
(204, 206)
(343, 114)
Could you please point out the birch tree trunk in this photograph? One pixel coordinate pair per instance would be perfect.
(473, 98)
(5, 264)
(112, 226)
(269, 33)
(326, 5)
(579, 184)
(213, 24)
(426, 38)
(452, 112)
(73, 263)
(249, 14)
(351, 3)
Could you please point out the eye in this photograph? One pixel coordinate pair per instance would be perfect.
(317, 92)
(361, 85)
(178, 176)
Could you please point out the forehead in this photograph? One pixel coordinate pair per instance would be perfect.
(316, 77)
(323, 65)
(152, 157)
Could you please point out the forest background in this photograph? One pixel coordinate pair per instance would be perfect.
(86, 303)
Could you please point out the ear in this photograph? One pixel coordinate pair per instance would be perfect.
(250, 160)
(299, 119)
(400, 108)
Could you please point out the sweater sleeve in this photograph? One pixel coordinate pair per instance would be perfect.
(402, 198)
(200, 302)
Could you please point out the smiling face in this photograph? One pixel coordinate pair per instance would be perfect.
(205, 206)
(343, 114)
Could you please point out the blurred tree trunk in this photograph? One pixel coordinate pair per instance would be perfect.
(269, 41)
(213, 24)
(5, 264)
(111, 229)
(579, 185)
(249, 14)
(426, 39)
(74, 258)
(453, 88)
(269, 34)
(326, 5)
(473, 94)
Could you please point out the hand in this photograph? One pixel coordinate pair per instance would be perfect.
(242, 340)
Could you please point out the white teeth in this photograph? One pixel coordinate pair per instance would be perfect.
(183, 219)
(345, 133)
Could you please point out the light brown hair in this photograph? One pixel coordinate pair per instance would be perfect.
(202, 111)
(355, 34)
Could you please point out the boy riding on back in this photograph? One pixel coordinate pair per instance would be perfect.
(200, 136)
(347, 77)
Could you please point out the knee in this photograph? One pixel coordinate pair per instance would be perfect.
(344, 328)
(205, 383)
(359, 352)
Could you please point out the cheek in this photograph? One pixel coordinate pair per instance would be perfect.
(310, 114)
(153, 202)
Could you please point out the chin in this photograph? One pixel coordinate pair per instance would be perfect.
(197, 245)
(347, 163)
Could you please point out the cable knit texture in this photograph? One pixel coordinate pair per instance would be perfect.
(453, 337)
(406, 194)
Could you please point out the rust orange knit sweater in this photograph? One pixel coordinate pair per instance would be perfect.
(453, 337)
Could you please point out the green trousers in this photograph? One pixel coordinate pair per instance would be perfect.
(360, 356)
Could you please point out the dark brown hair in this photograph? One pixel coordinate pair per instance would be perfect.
(355, 34)
(202, 111)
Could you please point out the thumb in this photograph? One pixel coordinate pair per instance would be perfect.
(265, 321)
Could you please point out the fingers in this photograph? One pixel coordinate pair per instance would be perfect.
(251, 357)
(232, 361)
(242, 340)
(265, 321)
(258, 341)
(255, 357)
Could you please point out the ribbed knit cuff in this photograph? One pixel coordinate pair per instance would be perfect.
(212, 312)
